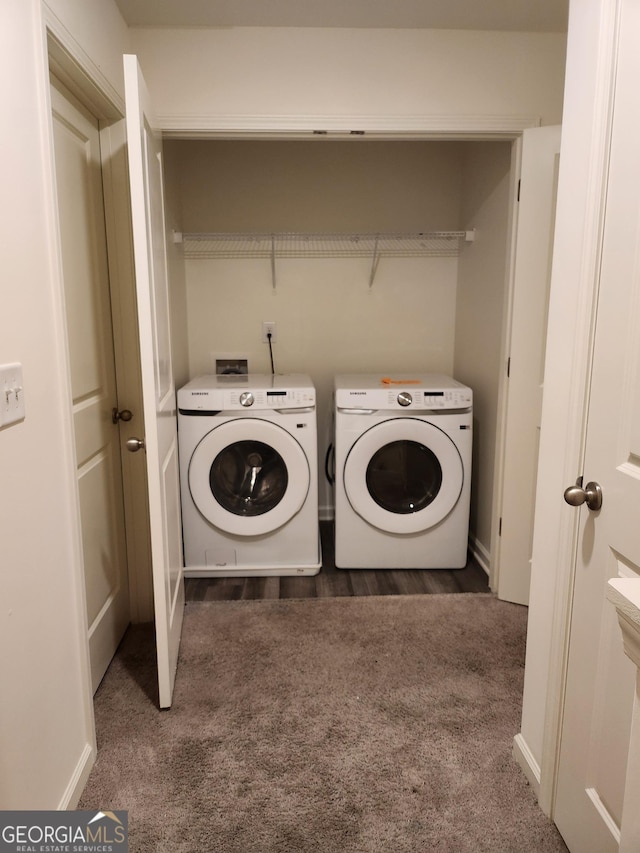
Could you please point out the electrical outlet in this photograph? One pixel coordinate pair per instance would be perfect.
(268, 326)
(11, 394)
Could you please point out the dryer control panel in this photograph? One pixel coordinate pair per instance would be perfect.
(424, 393)
(450, 399)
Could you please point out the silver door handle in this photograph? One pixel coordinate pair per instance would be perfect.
(591, 495)
(133, 445)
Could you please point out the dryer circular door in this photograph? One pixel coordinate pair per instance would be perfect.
(248, 476)
(403, 475)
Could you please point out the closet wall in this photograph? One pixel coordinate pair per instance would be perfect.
(329, 320)
(306, 79)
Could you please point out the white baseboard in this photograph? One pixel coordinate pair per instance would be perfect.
(529, 766)
(79, 779)
(480, 553)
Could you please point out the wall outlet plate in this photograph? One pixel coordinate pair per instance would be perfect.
(268, 326)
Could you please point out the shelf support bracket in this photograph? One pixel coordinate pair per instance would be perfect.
(273, 262)
(374, 262)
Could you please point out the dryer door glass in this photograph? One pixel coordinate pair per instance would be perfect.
(404, 477)
(248, 478)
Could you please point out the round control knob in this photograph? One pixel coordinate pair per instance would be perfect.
(405, 398)
(246, 398)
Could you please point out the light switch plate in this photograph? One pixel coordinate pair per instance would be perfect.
(12, 407)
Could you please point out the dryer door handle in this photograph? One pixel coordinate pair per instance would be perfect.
(357, 411)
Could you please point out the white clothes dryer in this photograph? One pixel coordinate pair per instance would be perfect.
(403, 471)
(248, 475)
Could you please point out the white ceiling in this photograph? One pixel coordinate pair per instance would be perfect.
(516, 15)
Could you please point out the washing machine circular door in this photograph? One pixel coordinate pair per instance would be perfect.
(248, 477)
(403, 475)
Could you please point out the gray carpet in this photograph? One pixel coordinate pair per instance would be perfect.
(345, 725)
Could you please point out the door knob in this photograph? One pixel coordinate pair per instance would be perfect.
(591, 495)
(123, 415)
(133, 445)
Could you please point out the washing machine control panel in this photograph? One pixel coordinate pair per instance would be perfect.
(211, 394)
(270, 398)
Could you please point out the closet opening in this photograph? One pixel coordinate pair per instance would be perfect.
(340, 301)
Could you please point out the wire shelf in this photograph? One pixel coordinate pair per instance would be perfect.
(294, 245)
(437, 244)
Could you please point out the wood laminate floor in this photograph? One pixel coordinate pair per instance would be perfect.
(331, 582)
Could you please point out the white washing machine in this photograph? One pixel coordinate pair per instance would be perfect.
(248, 475)
(403, 471)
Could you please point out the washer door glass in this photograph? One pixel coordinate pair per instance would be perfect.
(403, 475)
(248, 476)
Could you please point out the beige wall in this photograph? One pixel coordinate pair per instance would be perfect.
(200, 76)
(46, 730)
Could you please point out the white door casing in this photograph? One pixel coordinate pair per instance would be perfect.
(511, 567)
(159, 399)
(600, 679)
(93, 378)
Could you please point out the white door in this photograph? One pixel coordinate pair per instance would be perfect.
(601, 679)
(532, 278)
(159, 399)
(93, 380)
